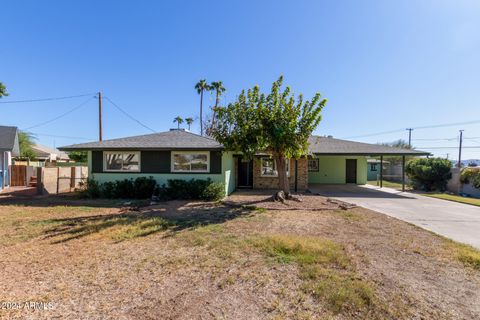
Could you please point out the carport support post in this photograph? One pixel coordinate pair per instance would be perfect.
(403, 173)
(381, 171)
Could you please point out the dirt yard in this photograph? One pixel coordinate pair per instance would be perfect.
(193, 260)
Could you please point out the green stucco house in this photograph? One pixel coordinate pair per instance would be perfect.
(179, 154)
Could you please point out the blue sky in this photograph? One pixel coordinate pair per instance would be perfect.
(383, 65)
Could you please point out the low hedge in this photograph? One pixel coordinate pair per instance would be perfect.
(144, 188)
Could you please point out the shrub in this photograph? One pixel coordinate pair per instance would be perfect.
(429, 173)
(214, 191)
(91, 189)
(471, 175)
(144, 187)
(124, 189)
(186, 189)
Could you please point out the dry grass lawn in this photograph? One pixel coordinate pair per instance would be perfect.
(193, 260)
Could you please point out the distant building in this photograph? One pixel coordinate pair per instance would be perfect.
(8, 148)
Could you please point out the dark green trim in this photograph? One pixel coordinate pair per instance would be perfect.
(215, 162)
(155, 161)
(97, 161)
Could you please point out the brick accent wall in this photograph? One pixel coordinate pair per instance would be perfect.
(260, 182)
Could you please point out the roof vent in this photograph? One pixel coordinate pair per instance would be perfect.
(177, 129)
(329, 136)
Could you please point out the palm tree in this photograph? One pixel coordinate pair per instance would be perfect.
(178, 120)
(189, 122)
(201, 86)
(219, 89)
(3, 90)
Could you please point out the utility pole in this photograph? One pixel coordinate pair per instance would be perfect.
(459, 164)
(100, 116)
(409, 137)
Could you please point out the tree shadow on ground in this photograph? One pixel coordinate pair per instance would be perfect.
(171, 217)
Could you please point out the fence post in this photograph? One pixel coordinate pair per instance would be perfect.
(39, 180)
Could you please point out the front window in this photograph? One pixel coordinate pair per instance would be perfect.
(313, 165)
(269, 167)
(373, 167)
(190, 161)
(122, 161)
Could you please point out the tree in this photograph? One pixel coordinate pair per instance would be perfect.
(219, 89)
(178, 120)
(201, 86)
(189, 122)
(25, 142)
(429, 173)
(400, 143)
(78, 156)
(278, 123)
(3, 90)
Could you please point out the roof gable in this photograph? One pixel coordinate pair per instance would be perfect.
(331, 146)
(169, 140)
(9, 140)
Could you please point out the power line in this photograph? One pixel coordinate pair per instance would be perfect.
(48, 99)
(64, 137)
(416, 128)
(128, 115)
(60, 116)
(464, 147)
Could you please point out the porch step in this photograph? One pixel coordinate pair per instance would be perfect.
(32, 182)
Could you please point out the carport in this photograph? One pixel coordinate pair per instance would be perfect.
(343, 161)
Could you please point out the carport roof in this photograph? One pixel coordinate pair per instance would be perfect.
(330, 146)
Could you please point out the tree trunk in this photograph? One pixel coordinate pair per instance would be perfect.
(215, 109)
(283, 182)
(201, 112)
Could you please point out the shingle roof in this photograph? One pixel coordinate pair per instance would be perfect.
(45, 152)
(9, 140)
(169, 140)
(331, 146)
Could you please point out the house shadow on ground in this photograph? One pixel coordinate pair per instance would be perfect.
(170, 217)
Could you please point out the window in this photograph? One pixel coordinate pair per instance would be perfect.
(269, 168)
(373, 167)
(313, 165)
(190, 162)
(121, 161)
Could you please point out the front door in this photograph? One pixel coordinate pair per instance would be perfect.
(351, 171)
(245, 173)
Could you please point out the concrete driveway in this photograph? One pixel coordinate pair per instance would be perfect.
(460, 222)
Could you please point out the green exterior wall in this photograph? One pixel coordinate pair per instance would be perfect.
(226, 176)
(332, 170)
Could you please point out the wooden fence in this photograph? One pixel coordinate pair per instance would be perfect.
(18, 176)
(60, 179)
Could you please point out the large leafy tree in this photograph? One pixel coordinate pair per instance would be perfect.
(3, 90)
(219, 89)
(278, 123)
(201, 87)
(25, 142)
(78, 156)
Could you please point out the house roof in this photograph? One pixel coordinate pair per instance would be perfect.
(47, 152)
(169, 140)
(183, 140)
(9, 140)
(330, 146)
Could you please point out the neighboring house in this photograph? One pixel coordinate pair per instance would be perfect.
(178, 154)
(47, 154)
(8, 148)
(373, 169)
